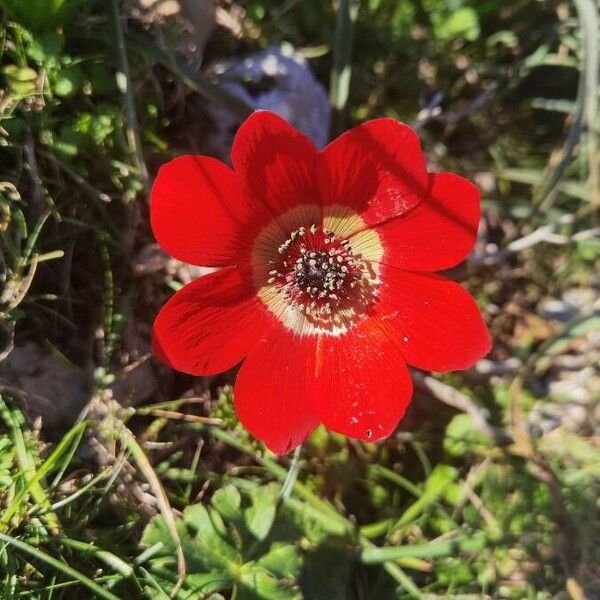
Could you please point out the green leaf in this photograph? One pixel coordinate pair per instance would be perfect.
(462, 436)
(46, 48)
(257, 583)
(69, 81)
(440, 478)
(505, 37)
(40, 15)
(282, 560)
(580, 326)
(589, 250)
(227, 501)
(208, 583)
(210, 538)
(206, 545)
(156, 533)
(460, 23)
(261, 514)
(58, 565)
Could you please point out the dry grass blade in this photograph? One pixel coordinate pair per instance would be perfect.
(177, 416)
(148, 472)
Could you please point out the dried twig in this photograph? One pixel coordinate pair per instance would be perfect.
(544, 233)
(177, 416)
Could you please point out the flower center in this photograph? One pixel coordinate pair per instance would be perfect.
(320, 275)
(320, 279)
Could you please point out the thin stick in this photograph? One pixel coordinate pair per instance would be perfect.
(544, 233)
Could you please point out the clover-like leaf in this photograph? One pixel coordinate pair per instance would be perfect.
(207, 530)
(261, 514)
(227, 500)
(257, 583)
(282, 560)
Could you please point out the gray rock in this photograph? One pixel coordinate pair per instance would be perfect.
(277, 79)
(45, 386)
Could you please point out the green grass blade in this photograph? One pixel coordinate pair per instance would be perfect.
(105, 473)
(58, 565)
(73, 436)
(431, 550)
(27, 464)
(110, 559)
(341, 68)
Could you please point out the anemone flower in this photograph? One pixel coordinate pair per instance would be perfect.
(326, 288)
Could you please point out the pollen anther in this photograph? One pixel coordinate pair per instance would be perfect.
(318, 274)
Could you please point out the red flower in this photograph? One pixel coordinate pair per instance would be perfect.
(326, 286)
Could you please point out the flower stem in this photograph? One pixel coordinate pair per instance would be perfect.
(292, 475)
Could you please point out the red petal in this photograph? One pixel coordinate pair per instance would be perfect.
(435, 321)
(210, 325)
(362, 385)
(270, 392)
(275, 162)
(439, 232)
(195, 209)
(377, 169)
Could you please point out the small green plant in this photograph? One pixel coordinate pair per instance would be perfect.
(230, 545)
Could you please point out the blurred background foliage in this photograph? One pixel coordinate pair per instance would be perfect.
(489, 489)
